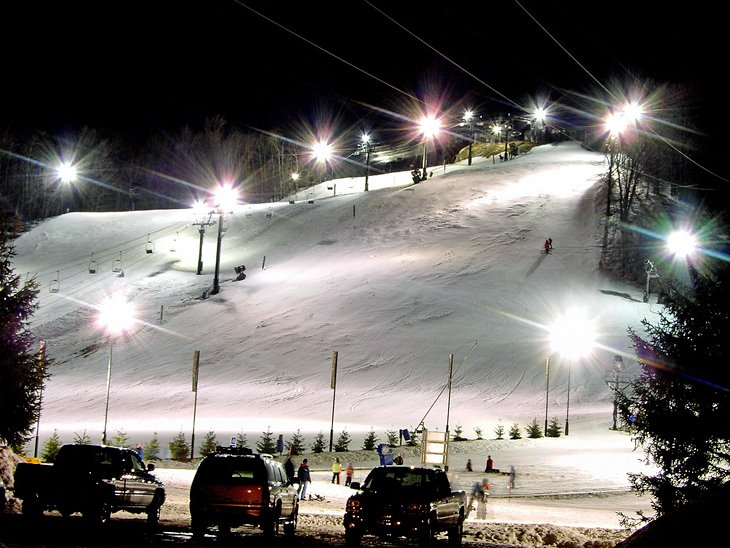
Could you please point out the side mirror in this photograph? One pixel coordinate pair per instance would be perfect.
(150, 467)
(355, 485)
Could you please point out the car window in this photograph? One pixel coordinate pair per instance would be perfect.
(227, 469)
(396, 479)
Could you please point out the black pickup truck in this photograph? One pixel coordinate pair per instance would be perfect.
(405, 501)
(95, 480)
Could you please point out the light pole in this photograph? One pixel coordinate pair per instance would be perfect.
(547, 390)
(429, 127)
(365, 141)
(67, 174)
(42, 365)
(469, 120)
(201, 212)
(116, 315)
(573, 336)
(540, 114)
(225, 199)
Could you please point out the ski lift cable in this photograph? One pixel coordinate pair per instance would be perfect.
(103, 254)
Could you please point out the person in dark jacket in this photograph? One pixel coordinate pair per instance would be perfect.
(304, 479)
(289, 467)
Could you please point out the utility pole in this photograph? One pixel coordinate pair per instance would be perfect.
(617, 384)
(216, 284)
(202, 223)
(333, 385)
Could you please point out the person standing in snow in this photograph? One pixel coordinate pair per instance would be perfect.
(479, 493)
(289, 467)
(547, 246)
(336, 470)
(550, 241)
(349, 471)
(304, 479)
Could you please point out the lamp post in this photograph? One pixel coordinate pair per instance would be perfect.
(540, 114)
(67, 174)
(469, 120)
(41, 357)
(225, 199)
(429, 127)
(365, 141)
(116, 316)
(201, 212)
(573, 336)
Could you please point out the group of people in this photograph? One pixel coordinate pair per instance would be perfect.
(304, 476)
(548, 245)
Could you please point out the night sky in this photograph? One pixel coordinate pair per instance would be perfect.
(140, 66)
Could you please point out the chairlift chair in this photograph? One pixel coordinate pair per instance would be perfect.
(55, 284)
(174, 242)
(150, 247)
(117, 264)
(92, 264)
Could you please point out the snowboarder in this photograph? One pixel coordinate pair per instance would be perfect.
(550, 241)
(547, 246)
(479, 493)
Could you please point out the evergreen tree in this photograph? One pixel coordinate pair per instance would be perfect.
(82, 439)
(121, 439)
(499, 431)
(458, 431)
(679, 407)
(554, 429)
(209, 445)
(51, 447)
(515, 432)
(370, 441)
(478, 431)
(241, 440)
(392, 437)
(152, 448)
(343, 442)
(318, 445)
(533, 430)
(295, 446)
(179, 447)
(22, 370)
(266, 443)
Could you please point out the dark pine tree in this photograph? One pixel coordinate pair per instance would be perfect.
(319, 444)
(266, 443)
(679, 406)
(22, 369)
(295, 446)
(343, 442)
(370, 441)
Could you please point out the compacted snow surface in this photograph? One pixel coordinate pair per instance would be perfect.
(395, 280)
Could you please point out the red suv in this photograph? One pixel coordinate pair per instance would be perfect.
(234, 487)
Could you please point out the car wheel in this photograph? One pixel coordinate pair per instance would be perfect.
(455, 533)
(199, 529)
(100, 513)
(153, 514)
(352, 538)
(425, 535)
(32, 508)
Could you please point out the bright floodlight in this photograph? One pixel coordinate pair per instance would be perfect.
(430, 126)
(632, 112)
(496, 129)
(66, 172)
(226, 197)
(616, 123)
(116, 314)
(573, 334)
(540, 114)
(200, 209)
(682, 243)
(468, 115)
(322, 151)
(295, 176)
(365, 138)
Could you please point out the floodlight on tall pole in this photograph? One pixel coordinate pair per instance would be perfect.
(429, 127)
(469, 120)
(67, 174)
(573, 336)
(203, 215)
(225, 199)
(116, 315)
(682, 243)
(365, 142)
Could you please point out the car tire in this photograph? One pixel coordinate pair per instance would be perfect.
(99, 514)
(32, 507)
(153, 514)
(198, 528)
(456, 533)
(352, 538)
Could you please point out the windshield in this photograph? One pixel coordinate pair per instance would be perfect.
(398, 479)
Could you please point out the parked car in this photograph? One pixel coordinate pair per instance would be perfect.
(405, 501)
(234, 487)
(95, 480)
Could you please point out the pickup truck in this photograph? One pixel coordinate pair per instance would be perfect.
(405, 501)
(95, 480)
